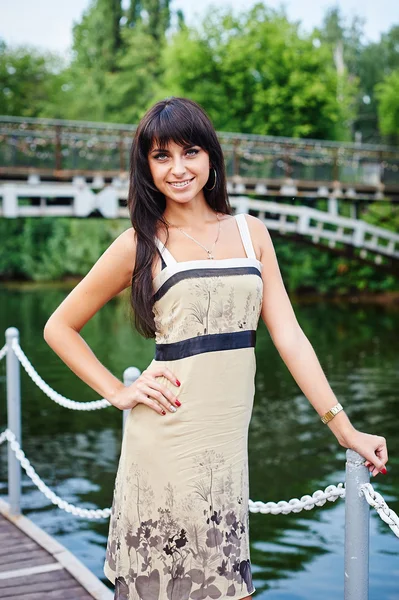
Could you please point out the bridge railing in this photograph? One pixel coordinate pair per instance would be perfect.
(358, 492)
(70, 147)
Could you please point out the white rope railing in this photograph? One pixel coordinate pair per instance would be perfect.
(377, 501)
(306, 502)
(318, 498)
(52, 394)
(30, 471)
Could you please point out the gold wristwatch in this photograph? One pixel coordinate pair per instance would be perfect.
(330, 414)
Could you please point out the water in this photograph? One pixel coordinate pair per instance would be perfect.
(295, 557)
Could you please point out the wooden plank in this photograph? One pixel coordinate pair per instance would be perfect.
(28, 559)
(30, 571)
(25, 554)
(18, 564)
(33, 586)
(73, 593)
(61, 575)
(14, 546)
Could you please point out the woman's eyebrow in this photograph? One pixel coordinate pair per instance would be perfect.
(185, 146)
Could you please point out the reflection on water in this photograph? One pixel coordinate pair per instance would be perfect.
(295, 557)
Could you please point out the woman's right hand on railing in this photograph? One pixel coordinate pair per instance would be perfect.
(146, 390)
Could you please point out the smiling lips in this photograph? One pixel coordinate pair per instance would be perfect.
(180, 184)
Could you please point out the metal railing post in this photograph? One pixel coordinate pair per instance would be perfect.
(14, 420)
(357, 527)
(129, 376)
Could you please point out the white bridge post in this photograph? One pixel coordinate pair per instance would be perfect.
(10, 201)
(333, 205)
(358, 234)
(357, 525)
(13, 382)
(303, 221)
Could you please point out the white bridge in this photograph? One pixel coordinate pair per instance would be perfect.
(325, 228)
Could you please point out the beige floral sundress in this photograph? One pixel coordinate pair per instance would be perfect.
(179, 528)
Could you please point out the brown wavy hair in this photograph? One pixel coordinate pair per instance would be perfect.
(182, 121)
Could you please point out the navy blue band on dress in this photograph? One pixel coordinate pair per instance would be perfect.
(206, 343)
(203, 272)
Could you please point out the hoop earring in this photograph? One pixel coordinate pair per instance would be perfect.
(209, 189)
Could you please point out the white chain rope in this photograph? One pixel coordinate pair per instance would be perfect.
(318, 498)
(3, 351)
(52, 394)
(30, 471)
(377, 501)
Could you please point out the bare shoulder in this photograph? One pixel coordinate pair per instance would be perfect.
(122, 254)
(260, 235)
(109, 276)
(125, 243)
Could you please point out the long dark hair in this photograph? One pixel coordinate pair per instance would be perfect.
(182, 121)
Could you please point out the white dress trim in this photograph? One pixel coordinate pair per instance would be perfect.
(173, 266)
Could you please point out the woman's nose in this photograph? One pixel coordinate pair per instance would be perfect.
(178, 166)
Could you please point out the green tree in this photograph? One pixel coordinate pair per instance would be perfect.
(133, 12)
(369, 62)
(256, 73)
(376, 62)
(129, 90)
(154, 14)
(97, 46)
(387, 93)
(115, 68)
(28, 80)
(97, 38)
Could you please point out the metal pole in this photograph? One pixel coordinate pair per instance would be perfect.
(129, 376)
(14, 420)
(357, 526)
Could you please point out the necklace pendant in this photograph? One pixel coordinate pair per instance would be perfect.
(209, 255)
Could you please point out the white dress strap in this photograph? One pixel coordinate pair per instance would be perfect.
(168, 258)
(245, 235)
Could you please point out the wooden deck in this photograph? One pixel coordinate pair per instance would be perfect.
(34, 566)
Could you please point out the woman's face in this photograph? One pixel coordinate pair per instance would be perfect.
(179, 173)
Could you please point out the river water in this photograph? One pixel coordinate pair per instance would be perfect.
(291, 453)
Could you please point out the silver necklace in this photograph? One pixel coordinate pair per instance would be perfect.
(210, 255)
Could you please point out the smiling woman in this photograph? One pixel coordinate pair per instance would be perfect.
(179, 526)
(188, 160)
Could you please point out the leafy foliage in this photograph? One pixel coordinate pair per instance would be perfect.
(388, 111)
(254, 71)
(28, 80)
(49, 249)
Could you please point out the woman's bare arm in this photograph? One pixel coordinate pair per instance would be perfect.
(300, 357)
(108, 277)
(289, 338)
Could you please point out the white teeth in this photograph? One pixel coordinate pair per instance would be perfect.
(181, 184)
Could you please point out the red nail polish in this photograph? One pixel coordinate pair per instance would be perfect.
(384, 471)
(164, 412)
(178, 383)
(178, 403)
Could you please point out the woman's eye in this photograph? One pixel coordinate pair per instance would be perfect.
(162, 154)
